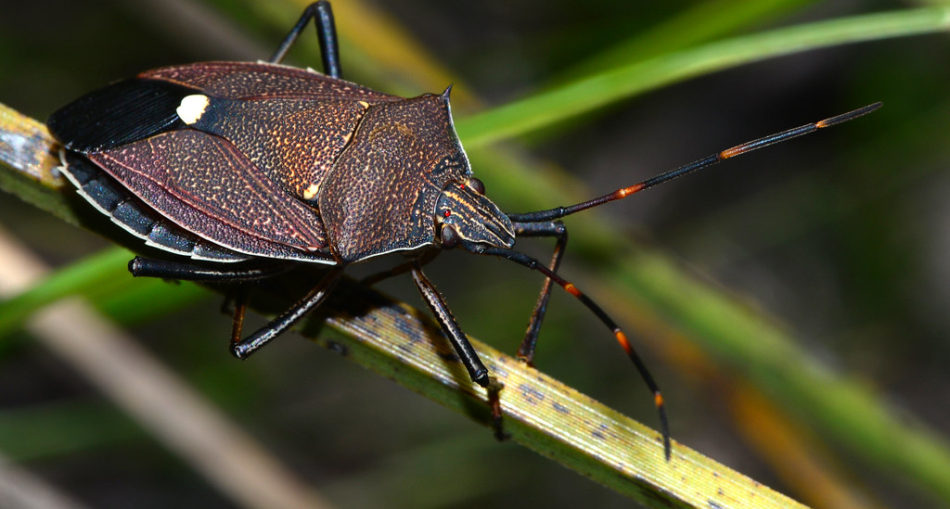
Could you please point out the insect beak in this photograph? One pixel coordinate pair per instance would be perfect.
(501, 230)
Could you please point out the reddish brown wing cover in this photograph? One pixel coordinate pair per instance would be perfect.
(291, 123)
(249, 80)
(293, 141)
(203, 184)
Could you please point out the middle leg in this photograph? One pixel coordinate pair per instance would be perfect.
(544, 229)
(243, 348)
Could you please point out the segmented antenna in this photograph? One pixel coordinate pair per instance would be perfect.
(729, 153)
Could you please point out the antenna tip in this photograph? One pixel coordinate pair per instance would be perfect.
(851, 115)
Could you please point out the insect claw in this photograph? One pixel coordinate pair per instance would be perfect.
(239, 351)
(134, 264)
(481, 377)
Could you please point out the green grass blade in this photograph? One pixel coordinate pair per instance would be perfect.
(587, 94)
(697, 23)
(103, 279)
(96, 276)
(58, 429)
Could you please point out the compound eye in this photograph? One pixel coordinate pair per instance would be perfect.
(450, 237)
(477, 185)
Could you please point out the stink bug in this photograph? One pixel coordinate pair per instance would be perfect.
(249, 168)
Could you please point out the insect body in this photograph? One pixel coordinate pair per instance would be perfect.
(248, 168)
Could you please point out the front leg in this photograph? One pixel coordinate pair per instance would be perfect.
(450, 327)
(460, 342)
(402, 268)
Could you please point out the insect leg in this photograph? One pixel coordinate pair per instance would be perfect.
(149, 267)
(402, 268)
(245, 347)
(240, 309)
(459, 341)
(494, 403)
(450, 327)
(326, 33)
(548, 229)
(619, 335)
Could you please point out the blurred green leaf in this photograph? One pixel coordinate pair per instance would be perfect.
(605, 87)
(57, 429)
(696, 23)
(94, 277)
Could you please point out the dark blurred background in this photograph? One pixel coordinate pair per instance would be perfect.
(842, 237)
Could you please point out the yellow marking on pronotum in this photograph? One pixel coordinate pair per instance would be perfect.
(364, 104)
(311, 191)
(192, 107)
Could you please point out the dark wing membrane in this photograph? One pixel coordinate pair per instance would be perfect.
(120, 113)
(249, 80)
(203, 184)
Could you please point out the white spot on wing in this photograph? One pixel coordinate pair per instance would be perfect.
(192, 107)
